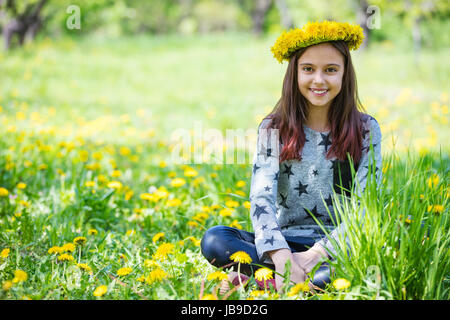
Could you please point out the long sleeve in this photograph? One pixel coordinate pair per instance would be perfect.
(372, 138)
(263, 193)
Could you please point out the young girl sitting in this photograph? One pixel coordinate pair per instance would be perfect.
(302, 155)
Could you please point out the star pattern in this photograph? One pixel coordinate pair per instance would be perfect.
(325, 141)
(301, 188)
(288, 170)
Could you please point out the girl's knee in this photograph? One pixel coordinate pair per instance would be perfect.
(212, 243)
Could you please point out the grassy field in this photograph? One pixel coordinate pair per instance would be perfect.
(93, 208)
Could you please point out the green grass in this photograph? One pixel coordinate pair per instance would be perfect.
(73, 111)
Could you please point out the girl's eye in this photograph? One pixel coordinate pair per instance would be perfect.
(309, 68)
(332, 69)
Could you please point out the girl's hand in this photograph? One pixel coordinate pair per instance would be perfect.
(310, 258)
(279, 258)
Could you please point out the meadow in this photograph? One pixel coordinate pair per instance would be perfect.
(93, 208)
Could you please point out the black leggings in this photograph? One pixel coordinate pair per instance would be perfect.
(220, 242)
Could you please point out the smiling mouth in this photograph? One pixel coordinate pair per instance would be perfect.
(319, 92)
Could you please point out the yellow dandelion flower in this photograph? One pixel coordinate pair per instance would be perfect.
(151, 263)
(217, 275)
(156, 276)
(257, 293)
(178, 182)
(247, 205)
(92, 232)
(141, 278)
(157, 236)
(226, 212)
(65, 257)
(124, 271)
(162, 164)
(84, 266)
(206, 209)
(89, 184)
(232, 204)
(240, 184)
(235, 224)
(4, 254)
(241, 257)
(79, 241)
(69, 247)
(302, 286)
(100, 291)
(263, 274)
(192, 224)
(190, 172)
(173, 202)
(163, 250)
(209, 297)
(130, 232)
(116, 173)
(3, 192)
(21, 185)
(55, 249)
(7, 285)
(115, 185)
(341, 284)
(433, 181)
(20, 276)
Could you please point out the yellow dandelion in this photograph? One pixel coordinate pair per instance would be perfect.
(4, 254)
(124, 271)
(116, 173)
(3, 192)
(141, 278)
(115, 185)
(92, 232)
(226, 212)
(7, 285)
(156, 276)
(302, 286)
(235, 224)
(65, 257)
(163, 250)
(162, 164)
(232, 204)
(240, 184)
(89, 184)
(178, 182)
(20, 276)
(79, 241)
(69, 247)
(247, 205)
(55, 250)
(157, 236)
(217, 275)
(151, 263)
(84, 266)
(241, 257)
(341, 284)
(263, 274)
(190, 172)
(100, 291)
(209, 297)
(173, 202)
(21, 185)
(433, 181)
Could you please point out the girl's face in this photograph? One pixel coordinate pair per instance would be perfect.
(320, 72)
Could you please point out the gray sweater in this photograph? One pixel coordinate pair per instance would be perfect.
(284, 196)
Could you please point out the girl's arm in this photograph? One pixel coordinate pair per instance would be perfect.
(263, 193)
(361, 176)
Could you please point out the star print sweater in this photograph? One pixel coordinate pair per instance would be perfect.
(284, 196)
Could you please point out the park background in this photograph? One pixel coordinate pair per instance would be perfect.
(91, 92)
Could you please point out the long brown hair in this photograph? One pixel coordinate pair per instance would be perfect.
(291, 112)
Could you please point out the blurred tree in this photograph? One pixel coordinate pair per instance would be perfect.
(414, 12)
(258, 10)
(21, 18)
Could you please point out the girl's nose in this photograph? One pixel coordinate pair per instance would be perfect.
(318, 77)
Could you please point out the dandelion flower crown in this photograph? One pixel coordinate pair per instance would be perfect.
(316, 32)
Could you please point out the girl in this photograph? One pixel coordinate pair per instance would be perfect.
(303, 152)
